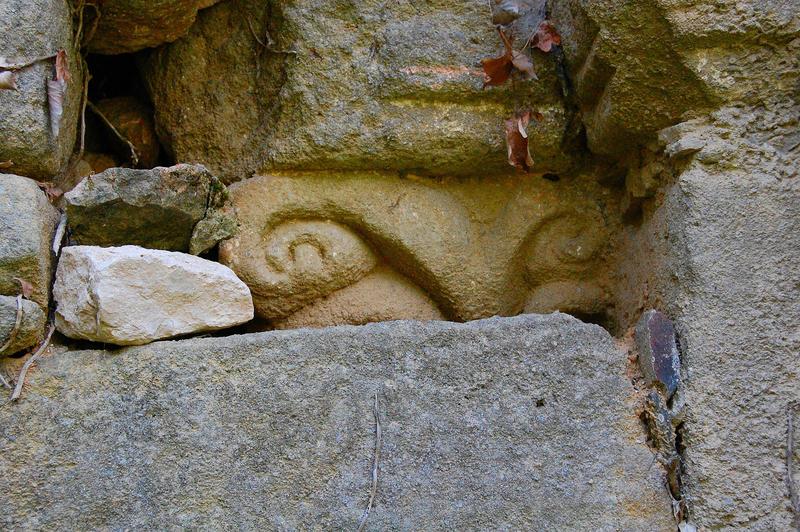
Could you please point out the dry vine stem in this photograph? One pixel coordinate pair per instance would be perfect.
(120, 136)
(28, 363)
(374, 489)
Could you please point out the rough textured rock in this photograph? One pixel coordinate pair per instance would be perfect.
(157, 208)
(525, 423)
(31, 326)
(371, 85)
(27, 224)
(475, 248)
(129, 25)
(640, 66)
(33, 29)
(131, 295)
(718, 253)
(133, 119)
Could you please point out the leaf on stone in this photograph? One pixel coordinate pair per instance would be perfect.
(8, 80)
(497, 70)
(545, 37)
(4, 165)
(524, 64)
(25, 287)
(519, 155)
(56, 89)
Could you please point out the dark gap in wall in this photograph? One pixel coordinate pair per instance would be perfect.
(117, 91)
(601, 318)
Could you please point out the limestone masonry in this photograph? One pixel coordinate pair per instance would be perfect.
(463, 264)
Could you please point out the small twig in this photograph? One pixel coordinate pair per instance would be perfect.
(95, 110)
(84, 99)
(374, 489)
(13, 334)
(259, 41)
(20, 66)
(794, 497)
(28, 363)
(4, 381)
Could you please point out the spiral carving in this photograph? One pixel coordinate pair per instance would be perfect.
(566, 247)
(302, 260)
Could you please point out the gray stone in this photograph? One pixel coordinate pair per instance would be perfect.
(374, 85)
(723, 245)
(27, 224)
(131, 296)
(31, 326)
(32, 29)
(659, 359)
(523, 423)
(157, 209)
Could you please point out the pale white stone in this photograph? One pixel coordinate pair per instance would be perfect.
(131, 295)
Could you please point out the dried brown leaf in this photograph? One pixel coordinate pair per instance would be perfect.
(62, 66)
(545, 37)
(25, 287)
(4, 165)
(498, 69)
(8, 80)
(519, 155)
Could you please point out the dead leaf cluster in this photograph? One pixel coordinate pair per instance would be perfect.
(498, 69)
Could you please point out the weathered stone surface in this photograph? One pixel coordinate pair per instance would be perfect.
(133, 119)
(375, 85)
(129, 25)
(645, 65)
(474, 249)
(726, 237)
(157, 208)
(32, 29)
(27, 224)
(131, 295)
(31, 326)
(525, 423)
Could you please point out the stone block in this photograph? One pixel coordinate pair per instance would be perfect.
(525, 423)
(31, 324)
(27, 225)
(157, 209)
(34, 29)
(130, 295)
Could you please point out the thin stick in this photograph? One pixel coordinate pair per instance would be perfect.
(95, 110)
(4, 381)
(20, 66)
(377, 457)
(28, 363)
(13, 334)
(794, 497)
(85, 98)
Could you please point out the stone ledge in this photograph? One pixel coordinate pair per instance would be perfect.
(509, 423)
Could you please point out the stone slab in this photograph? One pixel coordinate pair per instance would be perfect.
(524, 423)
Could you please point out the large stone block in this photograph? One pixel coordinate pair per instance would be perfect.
(33, 29)
(374, 85)
(131, 295)
(526, 423)
(126, 26)
(27, 225)
(467, 249)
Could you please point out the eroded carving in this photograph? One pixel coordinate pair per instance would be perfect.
(326, 249)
